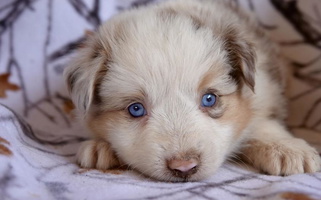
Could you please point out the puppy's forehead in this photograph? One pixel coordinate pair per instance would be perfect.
(159, 53)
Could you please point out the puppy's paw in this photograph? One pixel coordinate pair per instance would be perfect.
(283, 157)
(96, 154)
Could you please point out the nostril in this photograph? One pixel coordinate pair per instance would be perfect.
(183, 168)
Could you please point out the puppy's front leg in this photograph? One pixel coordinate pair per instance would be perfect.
(275, 151)
(96, 154)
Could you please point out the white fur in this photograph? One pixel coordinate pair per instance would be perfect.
(160, 56)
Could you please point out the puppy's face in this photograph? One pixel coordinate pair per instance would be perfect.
(167, 95)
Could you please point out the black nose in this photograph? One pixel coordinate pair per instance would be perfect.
(183, 168)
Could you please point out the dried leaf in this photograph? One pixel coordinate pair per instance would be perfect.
(5, 85)
(5, 151)
(2, 140)
(68, 106)
(295, 196)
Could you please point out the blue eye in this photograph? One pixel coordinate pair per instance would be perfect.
(208, 100)
(136, 110)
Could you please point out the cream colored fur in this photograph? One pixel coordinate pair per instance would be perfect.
(166, 57)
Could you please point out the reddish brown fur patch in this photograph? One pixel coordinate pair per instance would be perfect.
(241, 57)
(238, 112)
(205, 87)
(99, 122)
(206, 81)
(97, 84)
(97, 49)
(104, 51)
(251, 146)
(218, 109)
(255, 147)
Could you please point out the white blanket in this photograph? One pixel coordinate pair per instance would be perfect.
(39, 136)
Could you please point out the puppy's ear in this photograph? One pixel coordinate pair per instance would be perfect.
(86, 71)
(241, 57)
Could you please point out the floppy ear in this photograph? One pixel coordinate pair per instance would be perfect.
(86, 71)
(241, 57)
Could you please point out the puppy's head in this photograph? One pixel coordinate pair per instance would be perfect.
(166, 92)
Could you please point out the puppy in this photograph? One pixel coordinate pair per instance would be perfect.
(173, 90)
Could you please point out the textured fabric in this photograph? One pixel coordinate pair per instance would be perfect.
(39, 136)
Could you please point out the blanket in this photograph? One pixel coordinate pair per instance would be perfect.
(39, 135)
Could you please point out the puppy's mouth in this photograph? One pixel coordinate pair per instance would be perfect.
(174, 175)
(184, 176)
(183, 168)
